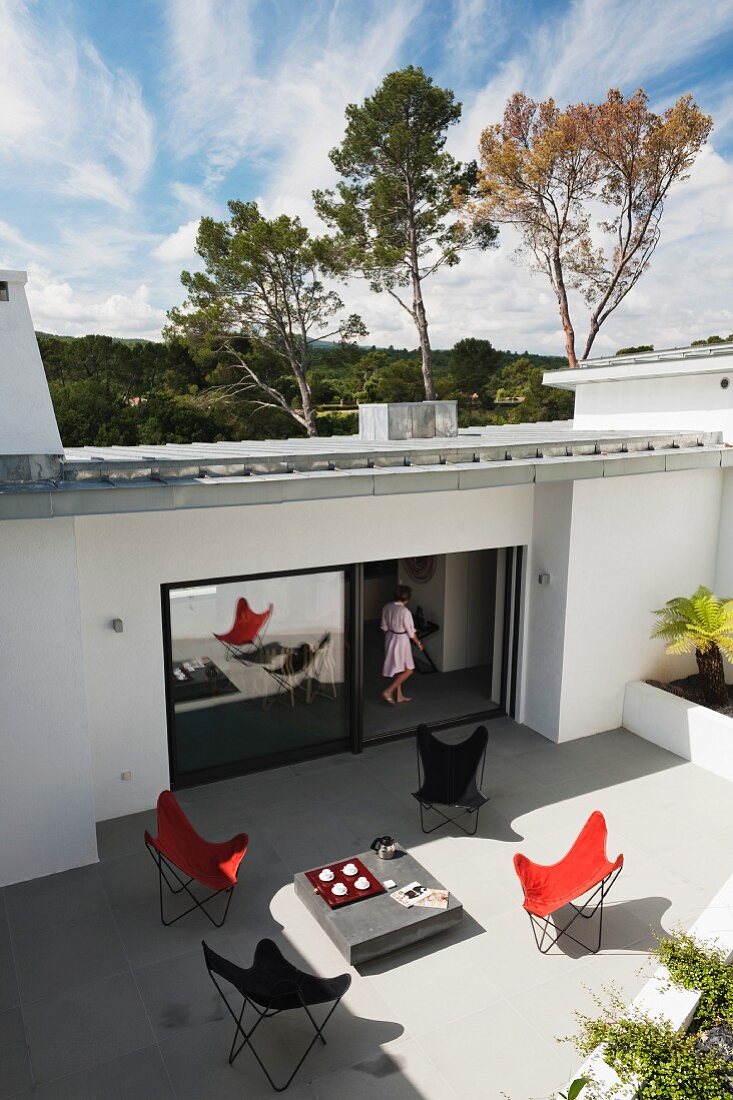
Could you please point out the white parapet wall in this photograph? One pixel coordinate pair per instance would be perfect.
(695, 733)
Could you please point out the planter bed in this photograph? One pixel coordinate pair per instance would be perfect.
(695, 732)
(661, 1000)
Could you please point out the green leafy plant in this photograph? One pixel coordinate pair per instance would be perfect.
(703, 624)
(574, 1091)
(651, 1053)
(662, 1062)
(695, 965)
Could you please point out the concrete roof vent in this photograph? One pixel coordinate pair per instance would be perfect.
(30, 445)
(409, 420)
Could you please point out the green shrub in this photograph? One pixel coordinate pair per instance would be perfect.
(695, 965)
(659, 1057)
(652, 1052)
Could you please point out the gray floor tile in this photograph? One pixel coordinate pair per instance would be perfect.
(392, 1037)
(58, 959)
(15, 1067)
(481, 1056)
(4, 929)
(147, 941)
(8, 981)
(54, 900)
(130, 880)
(179, 994)
(196, 1061)
(124, 836)
(400, 1071)
(86, 1026)
(137, 1076)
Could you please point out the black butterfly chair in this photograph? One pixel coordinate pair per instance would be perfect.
(448, 775)
(273, 985)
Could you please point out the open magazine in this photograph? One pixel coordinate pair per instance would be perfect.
(416, 894)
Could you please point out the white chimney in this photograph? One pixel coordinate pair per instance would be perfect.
(30, 444)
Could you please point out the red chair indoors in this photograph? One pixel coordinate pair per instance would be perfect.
(179, 850)
(586, 869)
(247, 631)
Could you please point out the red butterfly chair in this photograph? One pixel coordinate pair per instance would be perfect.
(179, 848)
(548, 888)
(247, 631)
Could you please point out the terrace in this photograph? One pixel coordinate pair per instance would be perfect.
(100, 1000)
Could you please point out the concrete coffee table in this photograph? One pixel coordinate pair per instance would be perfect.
(379, 925)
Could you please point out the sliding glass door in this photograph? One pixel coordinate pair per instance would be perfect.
(258, 671)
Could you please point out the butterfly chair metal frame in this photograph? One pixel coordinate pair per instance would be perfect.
(198, 903)
(290, 678)
(544, 930)
(427, 804)
(266, 1012)
(183, 857)
(596, 876)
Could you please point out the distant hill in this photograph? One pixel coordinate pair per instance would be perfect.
(129, 340)
(441, 356)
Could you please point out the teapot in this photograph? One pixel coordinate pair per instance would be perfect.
(384, 846)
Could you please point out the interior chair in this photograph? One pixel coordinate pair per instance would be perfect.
(586, 869)
(244, 640)
(450, 776)
(183, 858)
(305, 666)
(270, 986)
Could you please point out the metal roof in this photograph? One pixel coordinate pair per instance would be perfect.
(708, 359)
(94, 480)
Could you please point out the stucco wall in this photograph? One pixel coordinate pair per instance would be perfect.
(724, 564)
(124, 559)
(684, 402)
(544, 648)
(634, 543)
(27, 420)
(46, 811)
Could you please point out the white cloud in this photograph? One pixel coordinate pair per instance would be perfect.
(65, 110)
(178, 246)
(88, 180)
(59, 307)
(258, 91)
(283, 116)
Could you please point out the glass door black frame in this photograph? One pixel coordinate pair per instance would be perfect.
(509, 689)
(180, 780)
(353, 739)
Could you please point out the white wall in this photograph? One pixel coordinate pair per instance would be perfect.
(634, 543)
(27, 420)
(724, 563)
(46, 808)
(687, 402)
(124, 559)
(468, 619)
(549, 553)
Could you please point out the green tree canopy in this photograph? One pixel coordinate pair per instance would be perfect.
(261, 291)
(400, 380)
(394, 212)
(472, 363)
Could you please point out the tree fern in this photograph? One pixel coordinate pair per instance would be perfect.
(701, 624)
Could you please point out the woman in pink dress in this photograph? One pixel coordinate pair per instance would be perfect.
(399, 633)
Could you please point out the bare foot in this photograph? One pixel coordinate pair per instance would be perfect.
(388, 698)
(404, 698)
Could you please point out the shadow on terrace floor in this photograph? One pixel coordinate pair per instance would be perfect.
(109, 1002)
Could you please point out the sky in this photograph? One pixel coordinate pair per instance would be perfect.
(122, 124)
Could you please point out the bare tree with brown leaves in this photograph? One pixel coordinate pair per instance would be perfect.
(546, 172)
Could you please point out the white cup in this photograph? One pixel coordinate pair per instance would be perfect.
(339, 889)
(362, 883)
(326, 875)
(350, 869)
